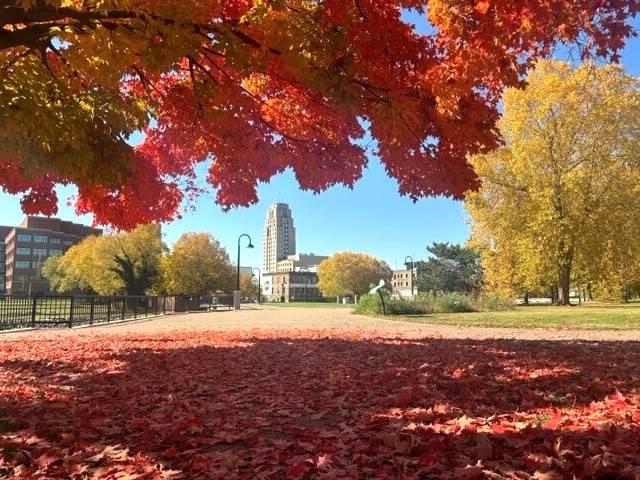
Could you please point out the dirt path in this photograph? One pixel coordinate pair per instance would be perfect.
(333, 322)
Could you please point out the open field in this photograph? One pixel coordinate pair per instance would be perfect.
(591, 316)
(317, 393)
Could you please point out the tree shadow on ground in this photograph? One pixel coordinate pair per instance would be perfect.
(216, 407)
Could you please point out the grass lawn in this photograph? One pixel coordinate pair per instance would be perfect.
(311, 305)
(593, 316)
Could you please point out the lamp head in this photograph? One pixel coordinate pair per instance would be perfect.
(250, 244)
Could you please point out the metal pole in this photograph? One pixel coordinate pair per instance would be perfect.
(410, 271)
(384, 308)
(34, 309)
(237, 295)
(259, 284)
(71, 313)
(238, 266)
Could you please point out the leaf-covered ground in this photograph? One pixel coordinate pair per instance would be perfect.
(316, 404)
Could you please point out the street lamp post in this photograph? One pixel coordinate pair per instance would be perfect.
(237, 292)
(259, 284)
(405, 262)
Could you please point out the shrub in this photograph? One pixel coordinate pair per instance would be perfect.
(494, 303)
(369, 304)
(431, 302)
(407, 306)
(453, 303)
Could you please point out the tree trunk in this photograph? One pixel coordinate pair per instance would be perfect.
(579, 293)
(564, 282)
(526, 298)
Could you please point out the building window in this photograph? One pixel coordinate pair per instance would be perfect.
(36, 265)
(55, 241)
(40, 252)
(55, 252)
(22, 264)
(23, 251)
(68, 242)
(40, 239)
(22, 237)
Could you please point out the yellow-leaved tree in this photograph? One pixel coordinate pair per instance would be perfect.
(248, 285)
(560, 201)
(109, 264)
(348, 273)
(197, 265)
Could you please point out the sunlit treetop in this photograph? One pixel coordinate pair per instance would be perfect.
(261, 86)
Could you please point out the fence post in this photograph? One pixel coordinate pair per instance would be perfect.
(164, 305)
(124, 307)
(135, 308)
(91, 310)
(33, 311)
(108, 309)
(71, 314)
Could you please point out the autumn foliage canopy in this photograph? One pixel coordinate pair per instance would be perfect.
(261, 86)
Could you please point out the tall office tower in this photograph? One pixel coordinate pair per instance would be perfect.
(279, 240)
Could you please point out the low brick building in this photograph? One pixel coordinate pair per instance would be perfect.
(288, 287)
(27, 246)
(402, 282)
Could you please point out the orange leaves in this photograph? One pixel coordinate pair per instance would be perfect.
(617, 401)
(430, 100)
(553, 422)
(482, 7)
(232, 405)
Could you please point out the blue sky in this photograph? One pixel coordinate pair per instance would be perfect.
(371, 218)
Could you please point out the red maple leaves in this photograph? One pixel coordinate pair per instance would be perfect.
(259, 88)
(303, 405)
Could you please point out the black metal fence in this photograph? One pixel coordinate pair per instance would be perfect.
(203, 303)
(73, 310)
